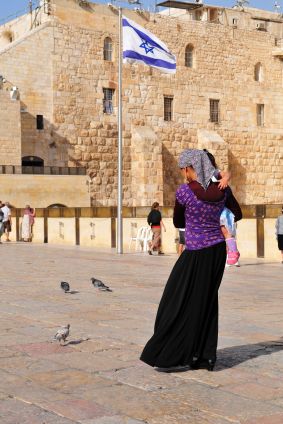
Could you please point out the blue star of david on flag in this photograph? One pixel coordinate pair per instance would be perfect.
(141, 46)
(147, 47)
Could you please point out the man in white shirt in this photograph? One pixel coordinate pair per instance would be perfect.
(7, 220)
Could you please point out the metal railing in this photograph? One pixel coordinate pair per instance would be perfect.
(42, 170)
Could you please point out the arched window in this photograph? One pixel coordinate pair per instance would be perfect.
(258, 72)
(107, 50)
(189, 56)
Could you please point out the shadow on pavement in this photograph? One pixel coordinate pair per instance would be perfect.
(76, 342)
(229, 357)
(259, 263)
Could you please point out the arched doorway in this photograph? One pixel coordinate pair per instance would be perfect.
(56, 205)
(32, 161)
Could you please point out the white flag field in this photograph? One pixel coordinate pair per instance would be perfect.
(140, 45)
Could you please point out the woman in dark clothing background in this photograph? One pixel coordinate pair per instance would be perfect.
(154, 219)
(186, 326)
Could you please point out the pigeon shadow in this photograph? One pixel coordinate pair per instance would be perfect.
(72, 292)
(230, 357)
(76, 342)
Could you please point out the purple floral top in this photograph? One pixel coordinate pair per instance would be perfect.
(202, 219)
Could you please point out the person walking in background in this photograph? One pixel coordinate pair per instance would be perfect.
(32, 216)
(27, 223)
(186, 326)
(154, 219)
(7, 220)
(279, 233)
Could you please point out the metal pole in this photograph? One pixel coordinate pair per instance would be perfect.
(120, 145)
(30, 11)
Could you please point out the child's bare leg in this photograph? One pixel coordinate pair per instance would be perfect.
(225, 232)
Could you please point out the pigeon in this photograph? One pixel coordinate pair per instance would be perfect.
(100, 285)
(65, 286)
(62, 333)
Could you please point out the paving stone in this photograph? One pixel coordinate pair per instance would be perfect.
(116, 419)
(62, 379)
(222, 402)
(101, 380)
(256, 391)
(196, 417)
(143, 377)
(36, 394)
(20, 365)
(79, 409)
(93, 362)
(271, 419)
(42, 349)
(137, 403)
(14, 411)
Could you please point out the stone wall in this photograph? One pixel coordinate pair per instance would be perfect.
(10, 130)
(224, 70)
(41, 191)
(27, 64)
(15, 29)
(96, 228)
(68, 91)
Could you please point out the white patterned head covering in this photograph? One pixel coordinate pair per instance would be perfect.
(199, 160)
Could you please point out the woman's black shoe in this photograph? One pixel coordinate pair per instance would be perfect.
(199, 364)
(195, 363)
(210, 364)
(176, 368)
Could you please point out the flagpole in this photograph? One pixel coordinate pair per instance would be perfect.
(120, 146)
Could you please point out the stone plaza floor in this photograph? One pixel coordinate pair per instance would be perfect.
(97, 377)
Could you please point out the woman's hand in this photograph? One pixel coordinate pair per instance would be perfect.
(223, 183)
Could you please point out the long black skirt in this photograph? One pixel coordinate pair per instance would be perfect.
(186, 324)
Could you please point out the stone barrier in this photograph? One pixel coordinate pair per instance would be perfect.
(96, 227)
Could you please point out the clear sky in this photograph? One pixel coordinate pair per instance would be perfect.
(10, 7)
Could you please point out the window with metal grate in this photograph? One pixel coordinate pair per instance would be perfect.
(189, 56)
(168, 108)
(214, 110)
(260, 115)
(108, 94)
(108, 49)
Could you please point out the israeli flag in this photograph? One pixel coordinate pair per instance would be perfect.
(140, 45)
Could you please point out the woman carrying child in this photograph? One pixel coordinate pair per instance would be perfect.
(186, 326)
